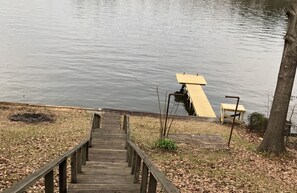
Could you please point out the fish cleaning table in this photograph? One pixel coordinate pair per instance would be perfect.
(231, 108)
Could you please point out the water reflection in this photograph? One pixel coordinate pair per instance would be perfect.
(114, 53)
(266, 6)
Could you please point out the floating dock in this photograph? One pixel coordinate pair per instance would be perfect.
(192, 85)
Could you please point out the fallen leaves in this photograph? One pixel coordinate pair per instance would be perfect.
(239, 169)
(27, 147)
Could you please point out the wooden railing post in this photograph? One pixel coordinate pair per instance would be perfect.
(74, 168)
(79, 161)
(49, 182)
(87, 151)
(128, 128)
(133, 161)
(137, 169)
(90, 143)
(129, 152)
(63, 176)
(144, 178)
(95, 122)
(84, 157)
(125, 123)
(152, 184)
(99, 121)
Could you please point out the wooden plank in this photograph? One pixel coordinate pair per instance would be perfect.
(108, 137)
(105, 142)
(103, 191)
(111, 165)
(100, 150)
(110, 146)
(109, 132)
(107, 158)
(111, 170)
(102, 187)
(88, 173)
(190, 79)
(104, 164)
(107, 179)
(199, 100)
(102, 154)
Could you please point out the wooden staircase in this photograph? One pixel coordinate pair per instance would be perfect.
(107, 170)
(103, 167)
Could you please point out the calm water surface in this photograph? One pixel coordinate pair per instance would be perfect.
(113, 53)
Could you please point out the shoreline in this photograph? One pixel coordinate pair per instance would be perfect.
(121, 111)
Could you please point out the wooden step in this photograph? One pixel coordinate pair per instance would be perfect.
(111, 152)
(110, 128)
(107, 170)
(107, 179)
(108, 137)
(115, 144)
(106, 188)
(108, 131)
(103, 191)
(98, 163)
(111, 120)
(108, 141)
(105, 165)
(106, 155)
(103, 151)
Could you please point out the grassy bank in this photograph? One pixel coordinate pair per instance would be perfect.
(239, 169)
(25, 147)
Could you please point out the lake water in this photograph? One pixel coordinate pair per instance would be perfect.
(114, 53)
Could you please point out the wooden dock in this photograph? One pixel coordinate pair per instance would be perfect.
(196, 96)
(107, 170)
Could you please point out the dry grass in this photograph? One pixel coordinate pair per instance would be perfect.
(25, 147)
(239, 169)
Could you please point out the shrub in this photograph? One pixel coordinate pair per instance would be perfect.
(257, 122)
(166, 144)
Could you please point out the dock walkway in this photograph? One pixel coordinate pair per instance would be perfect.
(198, 99)
(107, 170)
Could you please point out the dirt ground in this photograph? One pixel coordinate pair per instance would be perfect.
(237, 169)
(25, 147)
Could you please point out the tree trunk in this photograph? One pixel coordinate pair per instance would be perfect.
(273, 141)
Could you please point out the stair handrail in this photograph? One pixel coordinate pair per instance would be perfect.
(151, 175)
(79, 156)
